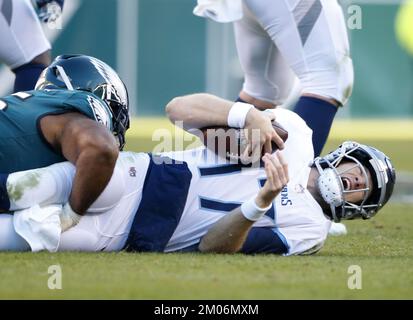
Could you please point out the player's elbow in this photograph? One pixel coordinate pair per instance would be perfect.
(206, 246)
(203, 247)
(102, 150)
(174, 109)
(183, 108)
(106, 153)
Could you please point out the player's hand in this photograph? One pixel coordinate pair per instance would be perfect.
(276, 170)
(48, 10)
(259, 134)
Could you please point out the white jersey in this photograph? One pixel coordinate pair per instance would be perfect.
(21, 37)
(213, 190)
(296, 218)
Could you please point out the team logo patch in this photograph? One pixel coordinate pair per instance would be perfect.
(99, 111)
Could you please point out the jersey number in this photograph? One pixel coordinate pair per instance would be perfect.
(3, 105)
(21, 95)
(216, 205)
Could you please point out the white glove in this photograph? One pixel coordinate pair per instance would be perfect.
(68, 218)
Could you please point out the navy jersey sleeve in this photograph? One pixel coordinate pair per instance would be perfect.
(260, 240)
(264, 240)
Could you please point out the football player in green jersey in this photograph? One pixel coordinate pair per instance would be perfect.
(77, 112)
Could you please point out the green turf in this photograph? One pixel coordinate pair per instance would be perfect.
(400, 152)
(382, 248)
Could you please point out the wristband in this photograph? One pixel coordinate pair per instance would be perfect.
(238, 113)
(251, 211)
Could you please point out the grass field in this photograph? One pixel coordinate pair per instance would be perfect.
(382, 248)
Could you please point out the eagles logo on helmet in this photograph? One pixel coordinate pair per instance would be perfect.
(81, 72)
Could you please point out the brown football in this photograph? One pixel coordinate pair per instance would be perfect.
(229, 142)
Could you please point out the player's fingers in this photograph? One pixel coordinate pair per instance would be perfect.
(272, 183)
(276, 183)
(267, 146)
(256, 151)
(284, 165)
(269, 174)
(279, 169)
(245, 155)
(278, 141)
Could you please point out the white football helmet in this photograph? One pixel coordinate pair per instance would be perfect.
(333, 186)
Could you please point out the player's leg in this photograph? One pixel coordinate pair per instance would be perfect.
(82, 237)
(86, 236)
(108, 222)
(9, 239)
(268, 79)
(106, 231)
(52, 185)
(44, 186)
(311, 36)
(23, 45)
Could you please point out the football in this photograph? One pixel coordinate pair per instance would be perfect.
(231, 142)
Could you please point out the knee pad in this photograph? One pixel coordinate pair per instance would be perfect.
(334, 80)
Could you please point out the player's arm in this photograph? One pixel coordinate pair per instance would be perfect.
(203, 110)
(199, 110)
(229, 233)
(90, 147)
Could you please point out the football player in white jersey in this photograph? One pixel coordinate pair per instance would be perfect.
(23, 44)
(192, 201)
(280, 40)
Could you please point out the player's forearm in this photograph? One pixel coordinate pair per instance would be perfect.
(199, 111)
(94, 151)
(228, 234)
(94, 169)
